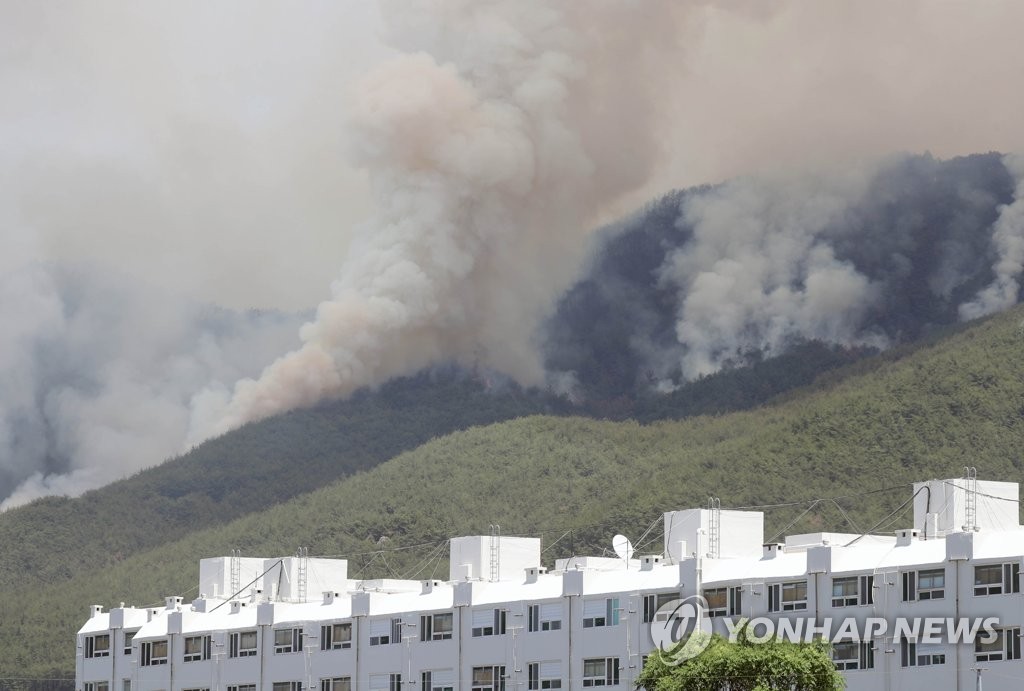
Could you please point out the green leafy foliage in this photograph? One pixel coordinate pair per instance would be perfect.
(746, 666)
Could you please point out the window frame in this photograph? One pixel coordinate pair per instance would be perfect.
(205, 642)
(428, 627)
(497, 628)
(777, 596)
(913, 591)
(91, 649)
(863, 657)
(654, 602)
(336, 684)
(1007, 582)
(610, 676)
(912, 655)
(149, 658)
(497, 682)
(1006, 647)
(538, 624)
(610, 617)
(536, 682)
(427, 682)
(329, 638)
(294, 643)
(235, 648)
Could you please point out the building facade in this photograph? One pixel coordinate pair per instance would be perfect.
(502, 622)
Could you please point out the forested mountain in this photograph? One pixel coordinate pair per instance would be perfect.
(882, 392)
(916, 231)
(904, 416)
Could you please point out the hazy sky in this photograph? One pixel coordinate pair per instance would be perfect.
(202, 145)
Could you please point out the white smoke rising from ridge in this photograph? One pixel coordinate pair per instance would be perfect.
(1008, 244)
(759, 271)
(97, 371)
(490, 144)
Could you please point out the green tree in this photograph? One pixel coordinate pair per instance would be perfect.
(746, 666)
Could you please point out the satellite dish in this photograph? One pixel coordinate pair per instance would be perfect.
(623, 547)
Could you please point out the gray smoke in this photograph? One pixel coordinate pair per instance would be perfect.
(490, 142)
(1008, 245)
(201, 145)
(759, 271)
(98, 370)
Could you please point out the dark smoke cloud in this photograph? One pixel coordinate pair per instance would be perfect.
(868, 256)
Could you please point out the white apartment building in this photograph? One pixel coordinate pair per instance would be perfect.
(502, 622)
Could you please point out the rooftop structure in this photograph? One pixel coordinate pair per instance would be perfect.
(503, 622)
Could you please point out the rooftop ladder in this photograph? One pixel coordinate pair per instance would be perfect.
(495, 552)
(303, 557)
(971, 500)
(236, 571)
(715, 527)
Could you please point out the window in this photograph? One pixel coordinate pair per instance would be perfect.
(849, 655)
(154, 653)
(544, 675)
(97, 646)
(654, 602)
(921, 654)
(844, 593)
(126, 685)
(547, 617)
(385, 631)
(129, 637)
(97, 686)
(196, 689)
(853, 590)
(929, 584)
(1006, 646)
(336, 684)
(601, 671)
(437, 680)
(436, 627)
(197, 648)
(386, 682)
(287, 641)
(488, 622)
(242, 644)
(996, 579)
(287, 686)
(787, 597)
(718, 602)
(489, 678)
(335, 636)
(242, 687)
(600, 613)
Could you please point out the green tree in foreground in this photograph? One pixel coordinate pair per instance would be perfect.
(745, 666)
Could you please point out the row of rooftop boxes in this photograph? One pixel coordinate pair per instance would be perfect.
(480, 557)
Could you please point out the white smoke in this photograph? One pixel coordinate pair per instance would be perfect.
(97, 371)
(1008, 245)
(491, 143)
(759, 270)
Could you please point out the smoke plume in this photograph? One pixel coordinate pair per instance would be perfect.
(1008, 244)
(862, 256)
(98, 371)
(490, 142)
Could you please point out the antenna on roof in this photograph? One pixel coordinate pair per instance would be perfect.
(623, 548)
